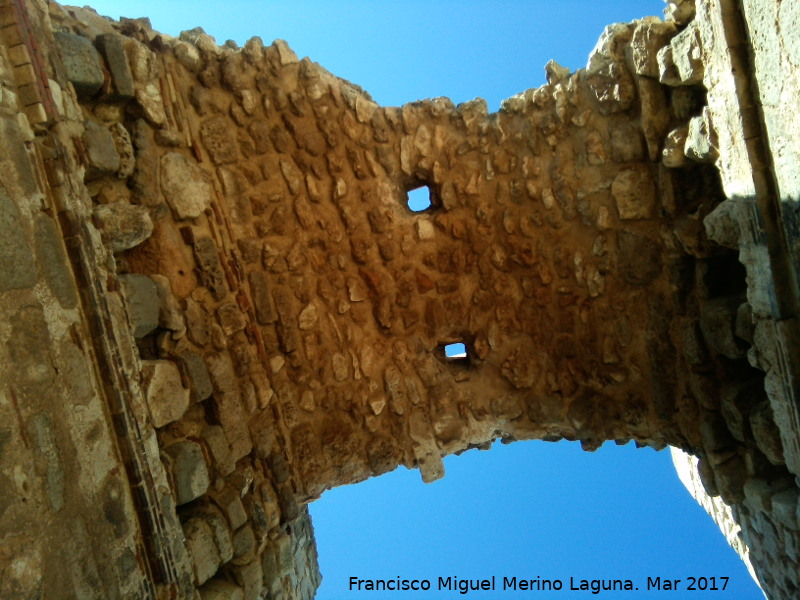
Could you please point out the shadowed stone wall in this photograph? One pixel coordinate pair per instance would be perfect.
(218, 303)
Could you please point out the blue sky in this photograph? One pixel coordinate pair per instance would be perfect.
(528, 509)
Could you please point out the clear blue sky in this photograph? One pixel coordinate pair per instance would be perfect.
(529, 509)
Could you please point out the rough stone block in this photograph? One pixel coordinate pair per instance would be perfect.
(185, 185)
(759, 494)
(244, 543)
(701, 141)
(100, 151)
(111, 46)
(648, 38)
(195, 370)
(189, 471)
(634, 193)
(250, 577)
(52, 260)
(166, 396)
(785, 506)
(124, 225)
(202, 549)
(141, 296)
(217, 138)
(220, 449)
(81, 62)
(766, 432)
(230, 503)
(219, 589)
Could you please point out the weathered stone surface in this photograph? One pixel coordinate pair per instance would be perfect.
(700, 139)
(648, 38)
(152, 104)
(194, 367)
(220, 589)
(189, 472)
(218, 141)
(100, 150)
(16, 258)
(185, 186)
(166, 396)
(143, 304)
(52, 262)
(202, 549)
(125, 225)
(634, 193)
(81, 62)
(113, 49)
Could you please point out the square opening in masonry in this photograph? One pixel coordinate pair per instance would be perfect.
(419, 199)
(455, 351)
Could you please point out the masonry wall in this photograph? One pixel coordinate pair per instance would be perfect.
(218, 303)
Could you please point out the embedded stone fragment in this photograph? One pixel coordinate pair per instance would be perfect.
(188, 55)
(673, 154)
(124, 225)
(220, 589)
(648, 38)
(202, 549)
(185, 185)
(680, 11)
(17, 270)
(634, 193)
(217, 138)
(81, 62)
(124, 147)
(681, 63)
(141, 296)
(194, 368)
(152, 105)
(166, 396)
(700, 139)
(101, 151)
(189, 471)
(112, 47)
(766, 433)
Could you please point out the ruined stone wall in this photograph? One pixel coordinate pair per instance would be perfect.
(218, 303)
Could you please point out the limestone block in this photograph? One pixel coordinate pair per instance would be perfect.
(217, 138)
(185, 185)
(143, 304)
(722, 224)
(634, 193)
(785, 507)
(113, 49)
(230, 503)
(101, 151)
(152, 104)
(250, 577)
(194, 368)
(166, 396)
(124, 146)
(244, 543)
(759, 494)
(219, 529)
(17, 270)
(220, 450)
(717, 322)
(681, 63)
(766, 432)
(125, 226)
(648, 38)
(188, 55)
(700, 139)
(673, 154)
(220, 589)
(680, 11)
(81, 62)
(202, 549)
(189, 472)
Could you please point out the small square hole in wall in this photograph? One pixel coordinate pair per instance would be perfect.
(455, 351)
(419, 199)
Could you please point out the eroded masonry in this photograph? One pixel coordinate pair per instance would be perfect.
(217, 304)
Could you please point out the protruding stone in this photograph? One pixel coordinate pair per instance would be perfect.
(112, 47)
(188, 55)
(141, 295)
(202, 549)
(124, 225)
(648, 38)
(185, 185)
(221, 589)
(152, 105)
(81, 62)
(189, 471)
(166, 396)
(680, 11)
(555, 72)
(634, 193)
(700, 139)
(217, 138)
(101, 151)
(673, 154)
